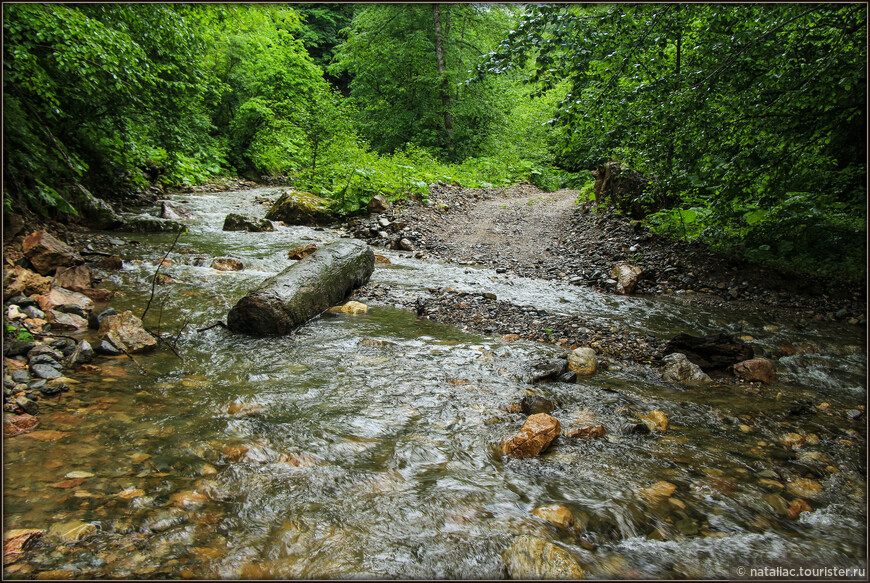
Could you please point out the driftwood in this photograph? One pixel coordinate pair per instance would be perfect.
(304, 290)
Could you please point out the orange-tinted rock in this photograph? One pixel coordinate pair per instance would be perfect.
(592, 432)
(16, 541)
(95, 293)
(381, 260)
(71, 483)
(47, 253)
(304, 251)
(126, 332)
(556, 514)
(227, 264)
(46, 435)
(113, 263)
(797, 506)
(16, 424)
(18, 280)
(80, 275)
(59, 296)
(534, 437)
(756, 369)
(656, 420)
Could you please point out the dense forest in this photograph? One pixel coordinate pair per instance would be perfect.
(745, 123)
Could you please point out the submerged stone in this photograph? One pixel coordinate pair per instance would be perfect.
(530, 557)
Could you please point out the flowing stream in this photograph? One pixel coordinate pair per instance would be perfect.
(368, 446)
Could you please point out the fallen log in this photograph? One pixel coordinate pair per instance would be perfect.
(307, 288)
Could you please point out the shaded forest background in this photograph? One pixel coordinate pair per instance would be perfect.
(745, 125)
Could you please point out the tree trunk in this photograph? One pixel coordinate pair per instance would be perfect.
(289, 299)
(442, 69)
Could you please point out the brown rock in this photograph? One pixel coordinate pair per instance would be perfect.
(626, 276)
(756, 369)
(97, 294)
(59, 296)
(164, 279)
(46, 435)
(530, 557)
(16, 424)
(114, 263)
(304, 251)
(125, 331)
(227, 264)
(658, 491)
(381, 260)
(18, 280)
(583, 361)
(64, 321)
(16, 541)
(353, 308)
(378, 204)
(80, 276)
(796, 506)
(534, 437)
(71, 483)
(804, 488)
(556, 514)
(592, 432)
(656, 420)
(793, 440)
(47, 253)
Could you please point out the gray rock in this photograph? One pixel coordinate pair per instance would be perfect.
(533, 404)
(45, 359)
(107, 348)
(21, 300)
(45, 371)
(19, 347)
(237, 222)
(568, 377)
(45, 349)
(72, 309)
(679, 369)
(548, 370)
(37, 385)
(854, 413)
(34, 312)
(634, 429)
(82, 354)
(27, 405)
(97, 316)
(20, 376)
(52, 390)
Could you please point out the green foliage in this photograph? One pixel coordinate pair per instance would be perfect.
(725, 107)
(15, 333)
(396, 84)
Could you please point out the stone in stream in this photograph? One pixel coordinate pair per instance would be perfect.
(18, 540)
(548, 370)
(227, 264)
(756, 369)
(15, 424)
(83, 354)
(125, 332)
(301, 208)
(352, 308)
(65, 321)
(72, 531)
(107, 348)
(534, 404)
(530, 557)
(59, 296)
(45, 371)
(303, 251)
(679, 369)
(582, 360)
(656, 420)
(237, 222)
(556, 514)
(713, 352)
(98, 316)
(534, 437)
(77, 276)
(47, 253)
(304, 290)
(175, 213)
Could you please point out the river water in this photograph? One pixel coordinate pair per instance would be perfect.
(368, 446)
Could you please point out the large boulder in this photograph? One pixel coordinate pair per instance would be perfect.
(626, 276)
(756, 369)
(301, 208)
(58, 296)
(304, 290)
(530, 557)
(534, 437)
(237, 222)
(142, 224)
(47, 253)
(126, 332)
(679, 369)
(378, 204)
(71, 277)
(18, 280)
(96, 212)
(172, 212)
(713, 352)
